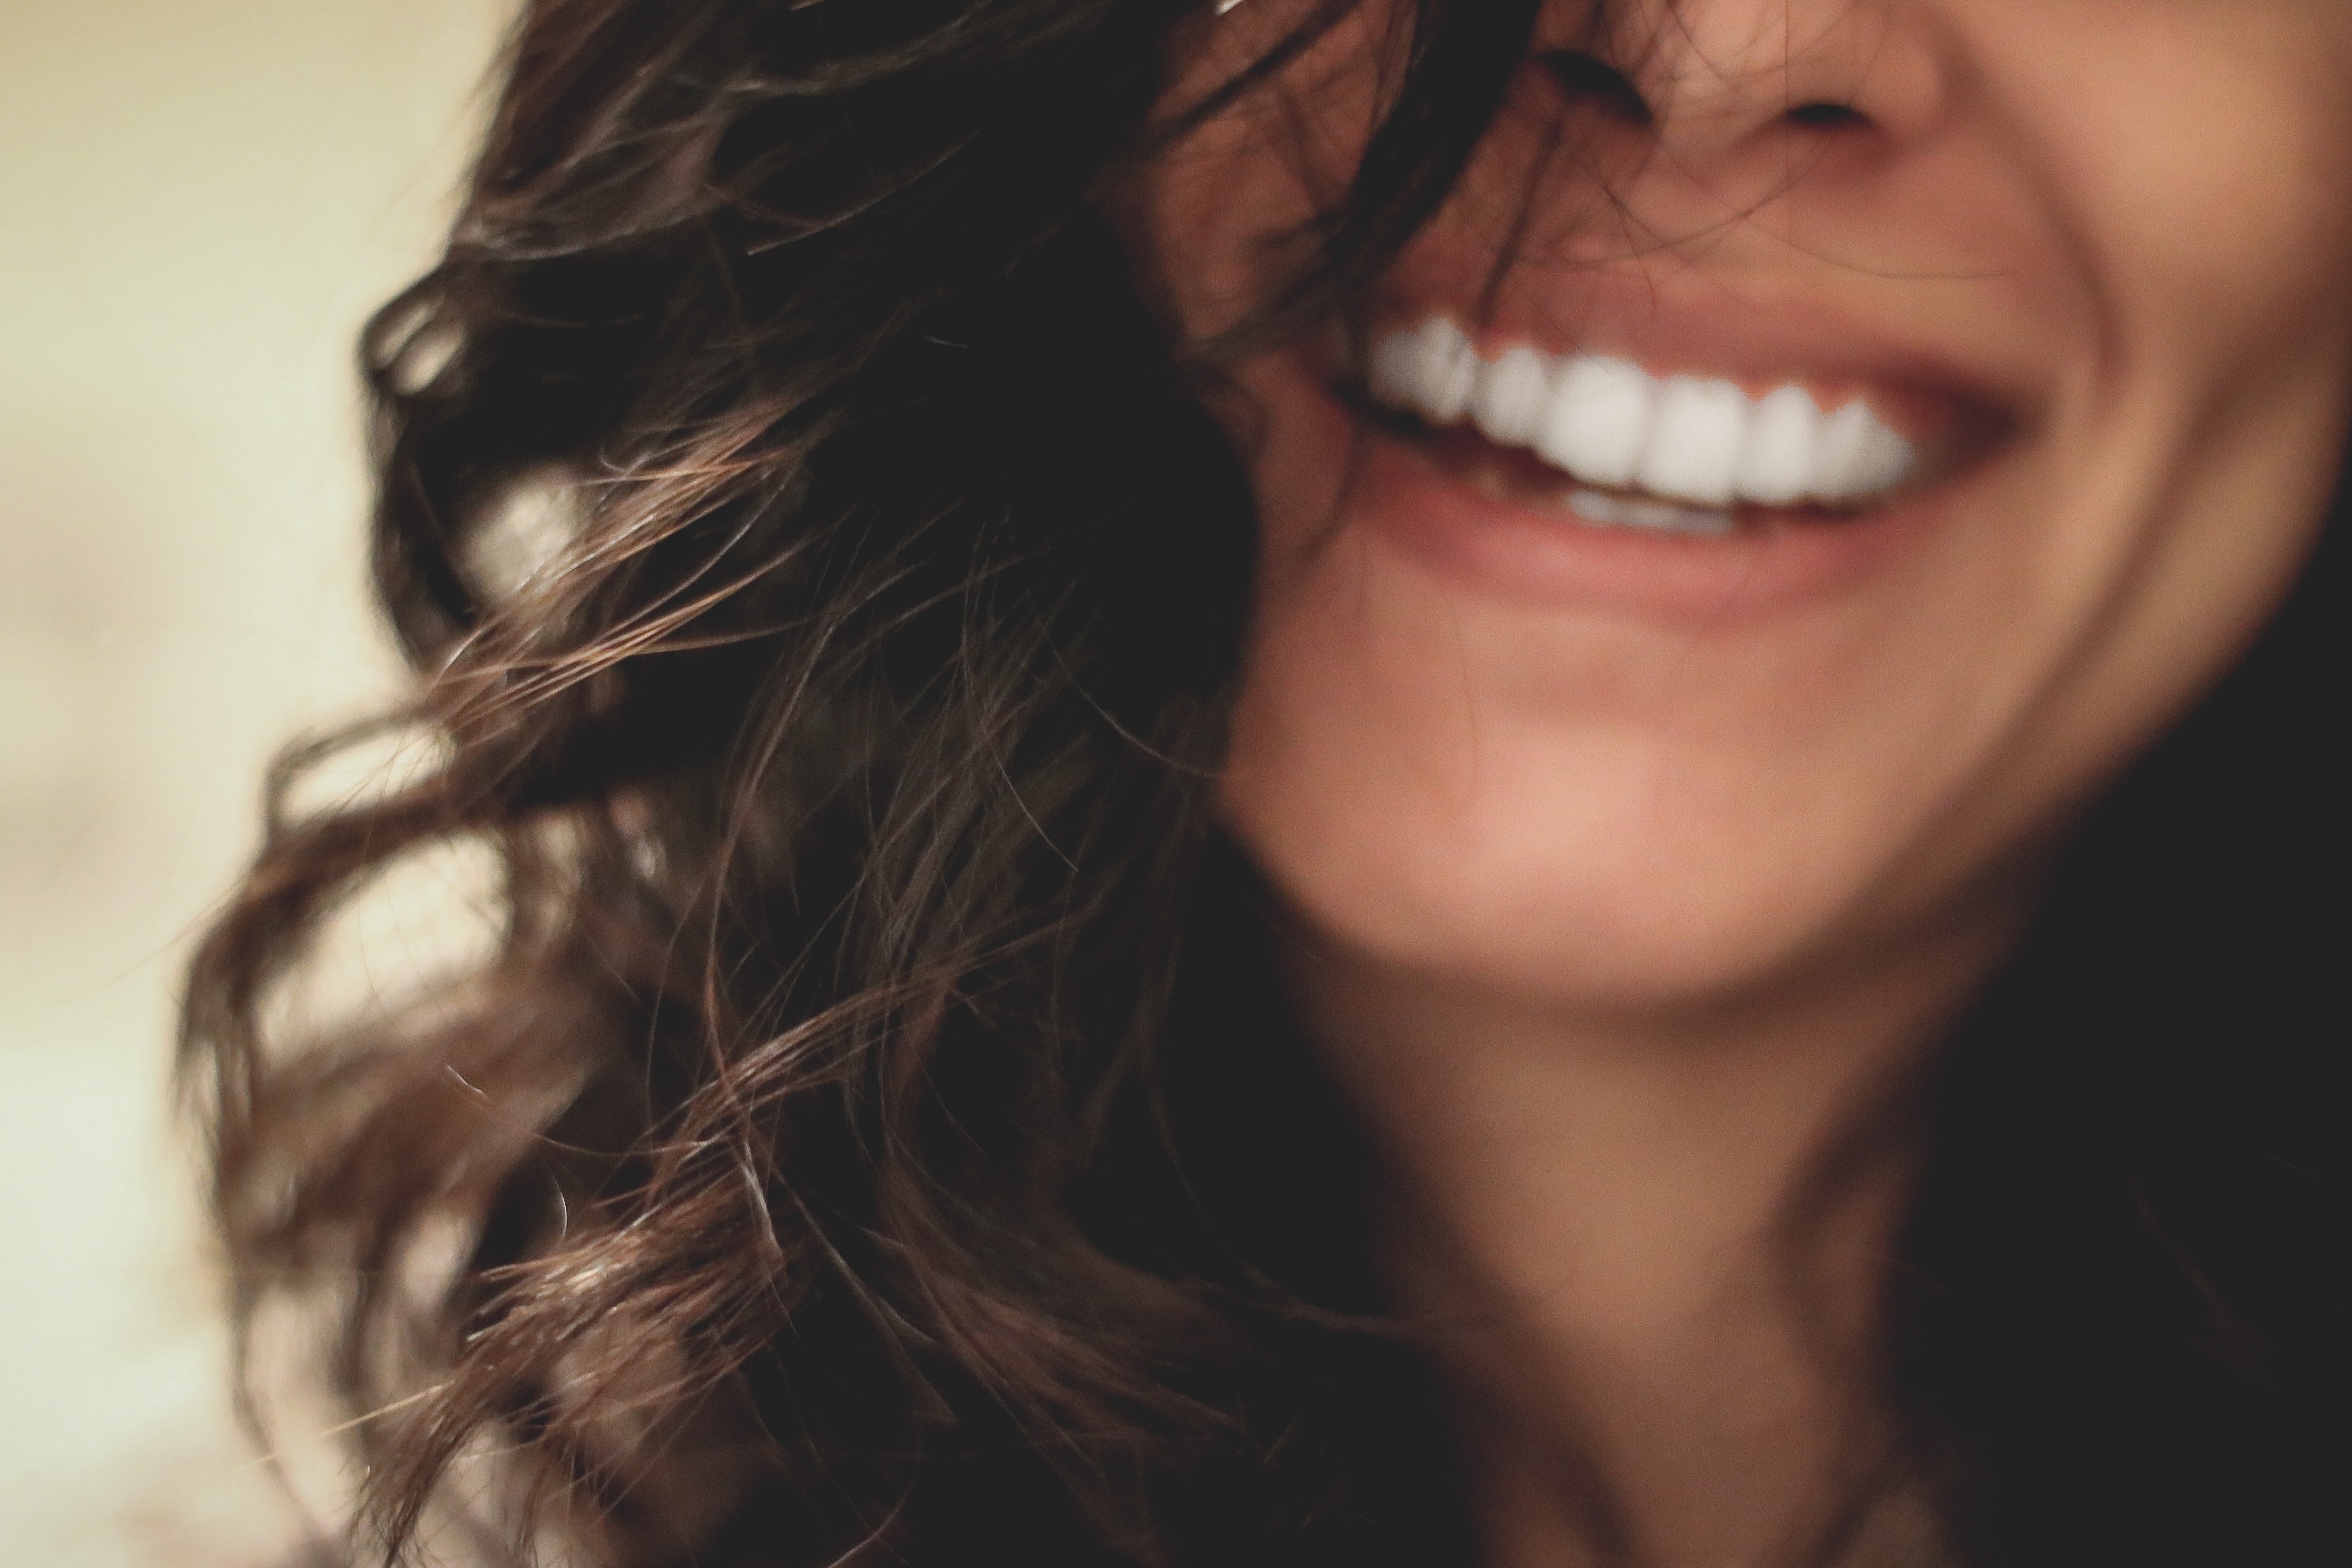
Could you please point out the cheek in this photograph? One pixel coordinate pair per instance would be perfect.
(2219, 230)
(1222, 216)
(2219, 235)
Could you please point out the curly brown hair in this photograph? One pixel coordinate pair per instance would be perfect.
(874, 1131)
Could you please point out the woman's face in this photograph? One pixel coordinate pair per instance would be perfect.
(1553, 707)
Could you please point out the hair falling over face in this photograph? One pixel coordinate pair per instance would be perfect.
(875, 1128)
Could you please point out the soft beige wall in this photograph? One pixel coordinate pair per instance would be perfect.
(198, 201)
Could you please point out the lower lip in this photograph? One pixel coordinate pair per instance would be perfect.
(1768, 562)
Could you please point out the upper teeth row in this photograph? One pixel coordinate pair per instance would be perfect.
(1611, 423)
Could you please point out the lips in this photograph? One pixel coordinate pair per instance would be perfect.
(1486, 461)
(1746, 422)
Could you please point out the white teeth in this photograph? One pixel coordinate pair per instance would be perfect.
(1857, 455)
(1840, 456)
(1599, 421)
(1640, 511)
(1694, 452)
(1776, 467)
(1432, 371)
(1445, 372)
(1612, 424)
(1393, 373)
(1511, 394)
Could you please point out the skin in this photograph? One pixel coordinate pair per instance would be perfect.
(1615, 915)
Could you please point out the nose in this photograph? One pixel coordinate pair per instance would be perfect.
(1714, 83)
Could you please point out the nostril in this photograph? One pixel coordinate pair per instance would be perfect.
(1824, 115)
(1595, 80)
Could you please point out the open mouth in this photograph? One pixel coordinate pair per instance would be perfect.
(1611, 444)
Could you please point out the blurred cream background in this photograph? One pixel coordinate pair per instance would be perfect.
(199, 200)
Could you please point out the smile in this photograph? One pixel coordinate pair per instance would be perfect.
(1676, 453)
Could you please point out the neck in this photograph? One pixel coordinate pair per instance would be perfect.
(1648, 1246)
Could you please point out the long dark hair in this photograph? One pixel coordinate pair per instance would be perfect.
(871, 1131)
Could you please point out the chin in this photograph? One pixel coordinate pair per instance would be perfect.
(1610, 909)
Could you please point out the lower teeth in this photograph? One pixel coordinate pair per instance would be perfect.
(1635, 511)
